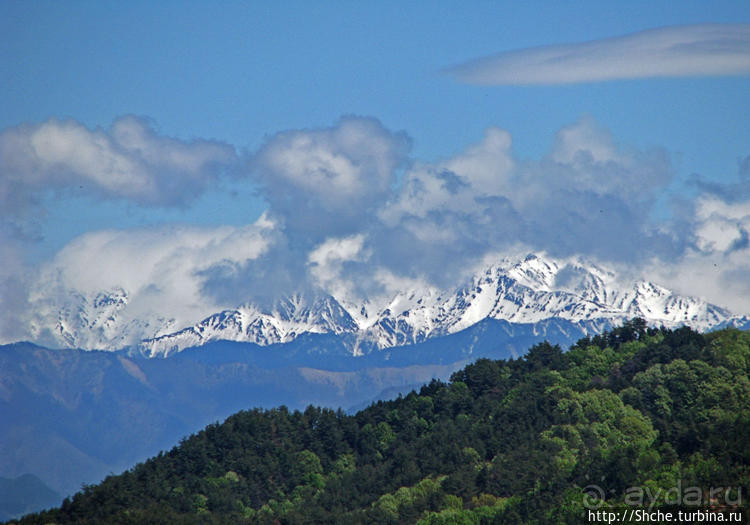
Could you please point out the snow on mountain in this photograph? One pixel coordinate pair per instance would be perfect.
(528, 289)
(534, 289)
(95, 323)
(283, 322)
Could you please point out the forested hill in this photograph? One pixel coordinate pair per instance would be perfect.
(531, 440)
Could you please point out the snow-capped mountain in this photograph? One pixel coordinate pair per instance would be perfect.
(283, 322)
(524, 290)
(94, 322)
(527, 290)
(535, 289)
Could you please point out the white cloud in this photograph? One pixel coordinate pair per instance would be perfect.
(587, 196)
(160, 269)
(334, 251)
(716, 263)
(324, 182)
(721, 278)
(129, 161)
(695, 50)
(588, 159)
(338, 221)
(584, 141)
(137, 259)
(718, 235)
(327, 263)
(486, 165)
(484, 169)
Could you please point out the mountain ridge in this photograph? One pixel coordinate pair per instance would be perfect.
(527, 289)
(531, 290)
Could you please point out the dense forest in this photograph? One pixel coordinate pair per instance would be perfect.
(636, 418)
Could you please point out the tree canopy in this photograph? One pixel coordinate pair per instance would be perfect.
(508, 441)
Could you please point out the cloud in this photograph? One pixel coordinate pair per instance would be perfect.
(733, 192)
(585, 196)
(330, 263)
(13, 293)
(130, 160)
(334, 252)
(352, 215)
(161, 269)
(350, 224)
(319, 184)
(328, 181)
(676, 51)
(715, 262)
(723, 278)
(721, 226)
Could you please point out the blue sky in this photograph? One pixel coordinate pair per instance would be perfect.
(234, 75)
(240, 72)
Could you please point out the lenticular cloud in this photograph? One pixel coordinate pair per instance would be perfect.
(679, 51)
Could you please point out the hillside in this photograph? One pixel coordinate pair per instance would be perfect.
(529, 440)
(72, 417)
(24, 494)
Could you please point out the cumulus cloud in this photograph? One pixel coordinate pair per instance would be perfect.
(677, 51)
(586, 196)
(321, 185)
(351, 226)
(328, 181)
(715, 263)
(351, 215)
(721, 226)
(130, 160)
(329, 262)
(161, 269)
(722, 278)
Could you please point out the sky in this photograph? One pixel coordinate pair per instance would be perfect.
(200, 155)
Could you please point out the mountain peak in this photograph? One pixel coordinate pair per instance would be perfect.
(529, 289)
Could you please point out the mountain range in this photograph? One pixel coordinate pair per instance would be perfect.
(520, 290)
(74, 415)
